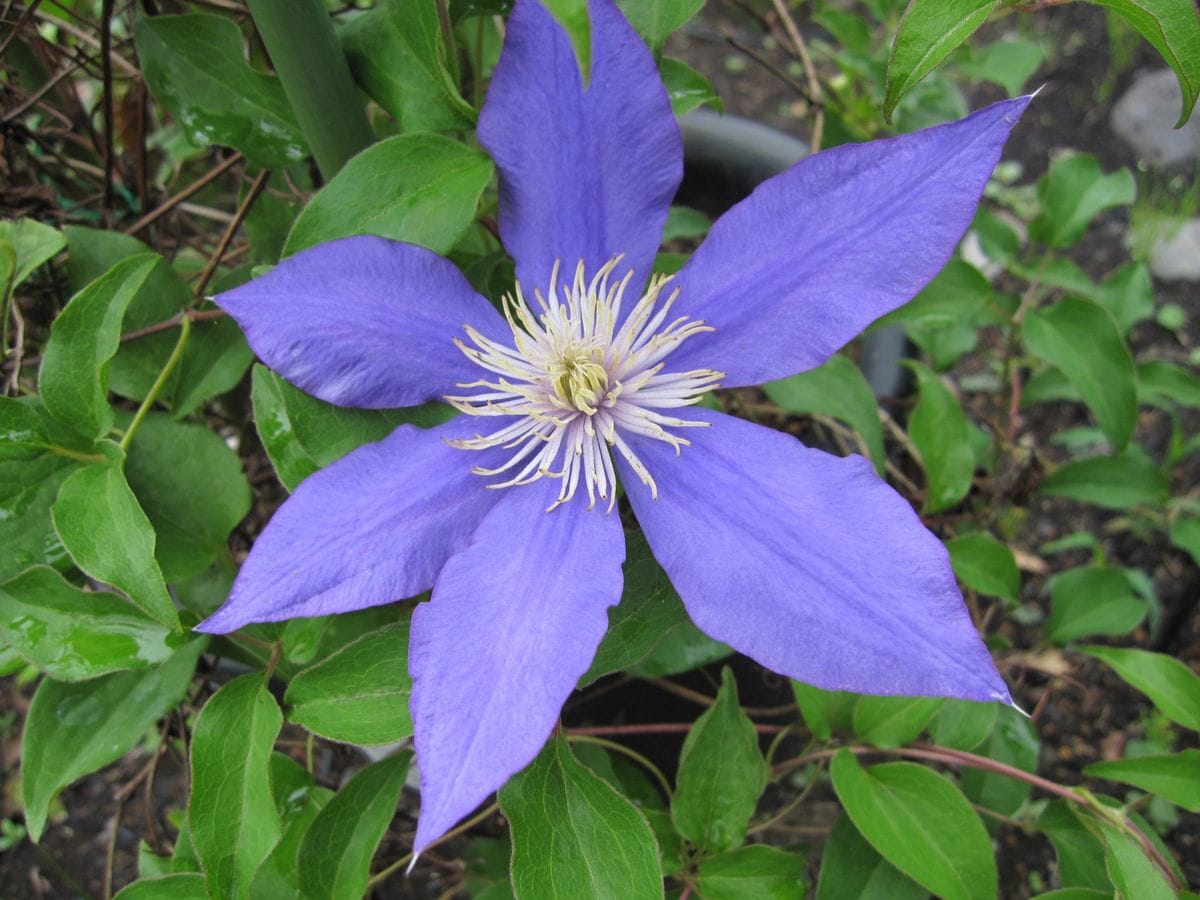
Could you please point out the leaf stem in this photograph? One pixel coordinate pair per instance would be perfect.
(75, 454)
(385, 874)
(185, 329)
(632, 754)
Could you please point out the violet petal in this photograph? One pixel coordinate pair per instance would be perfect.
(809, 564)
(514, 622)
(816, 253)
(373, 527)
(584, 174)
(364, 321)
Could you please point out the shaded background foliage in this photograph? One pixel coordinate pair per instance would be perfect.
(1049, 437)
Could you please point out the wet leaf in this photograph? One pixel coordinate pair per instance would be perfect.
(73, 635)
(73, 729)
(195, 66)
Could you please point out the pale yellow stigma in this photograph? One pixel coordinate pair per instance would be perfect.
(578, 381)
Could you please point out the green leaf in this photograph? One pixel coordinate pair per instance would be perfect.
(649, 611)
(964, 724)
(293, 463)
(654, 20)
(938, 430)
(1072, 193)
(335, 855)
(1114, 482)
(1009, 63)
(893, 721)
(920, 823)
(74, 374)
(574, 836)
(109, 537)
(136, 365)
(851, 869)
(177, 886)
(213, 363)
(1092, 600)
(836, 388)
(487, 869)
(419, 188)
(232, 817)
(721, 774)
(1083, 341)
(1172, 686)
(824, 712)
(302, 434)
(398, 56)
(195, 66)
(33, 244)
(928, 32)
(1164, 384)
(278, 877)
(72, 635)
(27, 491)
(685, 222)
(74, 729)
(1128, 294)
(984, 564)
(1131, 871)
(8, 267)
(755, 872)
(192, 489)
(1079, 852)
(22, 433)
(1175, 777)
(359, 694)
(681, 649)
(687, 88)
(216, 355)
(1012, 741)
(957, 294)
(1173, 28)
(1185, 534)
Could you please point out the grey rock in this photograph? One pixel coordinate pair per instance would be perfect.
(1145, 118)
(1177, 258)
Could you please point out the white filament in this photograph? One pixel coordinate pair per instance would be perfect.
(573, 382)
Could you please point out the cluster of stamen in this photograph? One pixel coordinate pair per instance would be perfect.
(576, 378)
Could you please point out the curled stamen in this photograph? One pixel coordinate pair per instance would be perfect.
(576, 377)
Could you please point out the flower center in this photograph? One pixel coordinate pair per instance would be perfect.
(578, 380)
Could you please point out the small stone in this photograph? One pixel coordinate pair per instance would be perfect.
(1145, 119)
(1177, 258)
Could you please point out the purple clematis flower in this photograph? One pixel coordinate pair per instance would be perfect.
(803, 561)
